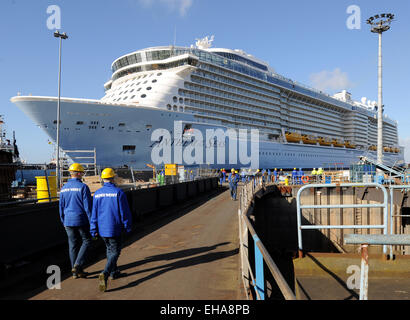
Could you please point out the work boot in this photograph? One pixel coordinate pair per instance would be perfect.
(117, 274)
(74, 272)
(80, 272)
(102, 278)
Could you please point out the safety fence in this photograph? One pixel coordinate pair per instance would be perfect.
(255, 259)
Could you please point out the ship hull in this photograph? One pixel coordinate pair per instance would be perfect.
(125, 136)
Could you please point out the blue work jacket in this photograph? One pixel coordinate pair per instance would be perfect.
(233, 181)
(75, 203)
(111, 213)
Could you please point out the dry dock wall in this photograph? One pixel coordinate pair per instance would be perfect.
(26, 230)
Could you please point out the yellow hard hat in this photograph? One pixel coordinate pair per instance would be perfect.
(232, 170)
(257, 170)
(236, 171)
(76, 167)
(294, 168)
(107, 173)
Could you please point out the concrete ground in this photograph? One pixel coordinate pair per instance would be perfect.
(194, 257)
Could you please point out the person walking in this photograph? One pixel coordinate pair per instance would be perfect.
(275, 175)
(233, 184)
(221, 177)
(75, 212)
(314, 174)
(110, 216)
(294, 176)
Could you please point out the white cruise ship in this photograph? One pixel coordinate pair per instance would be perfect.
(202, 88)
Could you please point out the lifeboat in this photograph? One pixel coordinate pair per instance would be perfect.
(396, 150)
(338, 143)
(387, 149)
(324, 141)
(293, 137)
(309, 139)
(373, 148)
(349, 145)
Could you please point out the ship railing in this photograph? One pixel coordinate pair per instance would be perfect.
(253, 273)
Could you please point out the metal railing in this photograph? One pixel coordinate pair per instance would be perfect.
(261, 256)
(301, 227)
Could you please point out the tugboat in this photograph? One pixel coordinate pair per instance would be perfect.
(9, 155)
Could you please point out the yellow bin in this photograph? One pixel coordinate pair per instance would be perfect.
(42, 188)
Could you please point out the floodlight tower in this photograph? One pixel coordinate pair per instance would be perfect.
(62, 37)
(379, 24)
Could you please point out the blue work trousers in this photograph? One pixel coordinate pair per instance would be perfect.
(79, 241)
(113, 246)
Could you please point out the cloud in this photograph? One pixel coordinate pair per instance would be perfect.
(335, 80)
(181, 5)
(405, 142)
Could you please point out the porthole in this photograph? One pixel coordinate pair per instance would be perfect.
(145, 81)
(132, 97)
(169, 107)
(143, 95)
(155, 80)
(175, 108)
(175, 99)
(159, 74)
(181, 100)
(149, 88)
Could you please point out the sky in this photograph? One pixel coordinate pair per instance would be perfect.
(321, 43)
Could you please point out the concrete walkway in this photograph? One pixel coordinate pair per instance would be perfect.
(194, 257)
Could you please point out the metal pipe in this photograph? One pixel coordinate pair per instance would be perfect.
(378, 239)
(380, 106)
(364, 272)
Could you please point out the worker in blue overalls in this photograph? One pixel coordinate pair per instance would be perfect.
(301, 173)
(275, 175)
(294, 176)
(233, 184)
(110, 216)
(243, 175)
(221, 177)
(75, 212)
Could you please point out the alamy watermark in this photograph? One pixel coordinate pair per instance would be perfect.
(353, 282)
(354, 21)
(54, 20)
(192, 148)
(54, 280)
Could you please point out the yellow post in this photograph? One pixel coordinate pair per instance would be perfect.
(43, 189)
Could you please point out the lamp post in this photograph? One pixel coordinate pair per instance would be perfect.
(379, 24)
(57, 34)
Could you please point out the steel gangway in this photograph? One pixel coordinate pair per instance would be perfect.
(394, 171)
